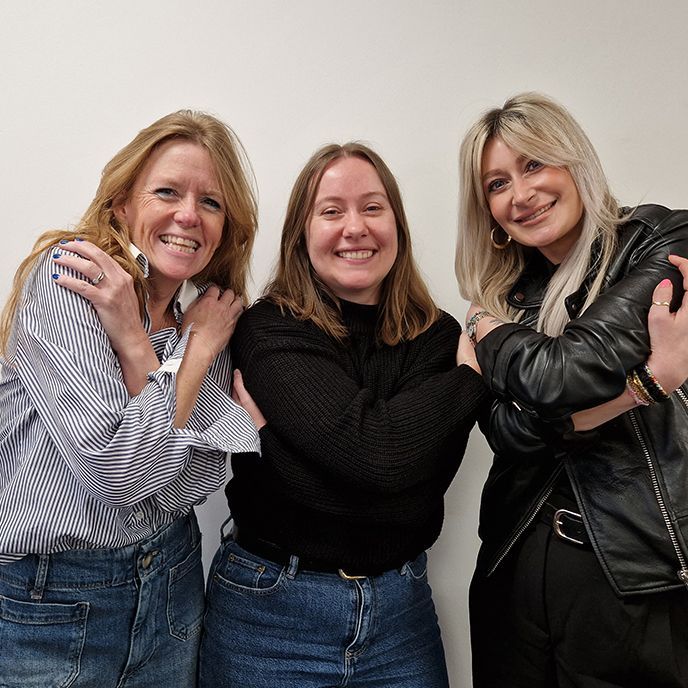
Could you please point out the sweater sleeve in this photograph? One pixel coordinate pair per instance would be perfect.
(315, 403)
(587, 364)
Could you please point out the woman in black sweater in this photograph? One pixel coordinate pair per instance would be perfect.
(367, 408)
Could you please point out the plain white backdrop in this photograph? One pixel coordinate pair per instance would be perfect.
(78, 79)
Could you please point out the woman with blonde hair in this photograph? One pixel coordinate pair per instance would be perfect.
(581, 578)
(365, 417)
(114, 381)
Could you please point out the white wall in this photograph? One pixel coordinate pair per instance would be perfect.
(78, 78)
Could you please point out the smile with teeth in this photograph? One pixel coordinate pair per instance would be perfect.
(537, 213)
(355, 255)
(179, 243)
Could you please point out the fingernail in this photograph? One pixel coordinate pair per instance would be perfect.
(64, 241)
(56, 276)
(57, 255)
(665, 282)
(78, 239)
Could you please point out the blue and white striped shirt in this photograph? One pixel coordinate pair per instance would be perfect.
(82, 463)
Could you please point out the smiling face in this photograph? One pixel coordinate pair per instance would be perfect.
(352, 234)
(537, 205)
(175, 213)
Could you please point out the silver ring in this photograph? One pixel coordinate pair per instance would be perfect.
(661, 303)
(98, 278)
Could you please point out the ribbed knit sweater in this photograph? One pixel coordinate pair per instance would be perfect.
(362, 439)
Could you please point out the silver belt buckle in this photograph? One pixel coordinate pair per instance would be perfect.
(557, 524)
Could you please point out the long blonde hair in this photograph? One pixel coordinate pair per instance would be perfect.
(229, 265)
(533, 126)
(407, 309)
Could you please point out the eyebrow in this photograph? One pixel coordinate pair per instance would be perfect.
(330, 199)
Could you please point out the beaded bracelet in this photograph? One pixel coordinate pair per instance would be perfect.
(650, 383)
(472, 325)
(637, 391)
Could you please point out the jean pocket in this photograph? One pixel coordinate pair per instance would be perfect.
(242, 571)
(186, 597)
(41, 643)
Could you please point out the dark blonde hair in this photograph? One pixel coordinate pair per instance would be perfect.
(229, 265)
(407, 309)
(537, 127)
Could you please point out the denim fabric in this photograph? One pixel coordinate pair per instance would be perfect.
(108, 618)
(272, 626)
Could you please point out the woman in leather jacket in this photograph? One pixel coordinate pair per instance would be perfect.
(582, 577)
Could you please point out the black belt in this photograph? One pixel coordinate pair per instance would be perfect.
(278, 555)
(567, 524)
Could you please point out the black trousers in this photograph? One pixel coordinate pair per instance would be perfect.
(548, 618)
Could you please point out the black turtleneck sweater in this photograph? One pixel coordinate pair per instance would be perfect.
(362, 439)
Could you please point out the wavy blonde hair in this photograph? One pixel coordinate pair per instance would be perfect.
(407, 309)
(536, 127)
(229, 265)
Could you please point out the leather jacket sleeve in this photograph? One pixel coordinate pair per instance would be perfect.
(552, 377)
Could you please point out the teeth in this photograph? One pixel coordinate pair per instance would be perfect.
(179, 243)
(355, 255)
(538, 213)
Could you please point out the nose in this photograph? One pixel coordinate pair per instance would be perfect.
(355, 225)
(186, 215)
(522, 191)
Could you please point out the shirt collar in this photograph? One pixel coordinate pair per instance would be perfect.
(187, 293)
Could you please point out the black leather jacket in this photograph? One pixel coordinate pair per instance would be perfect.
(630, 475)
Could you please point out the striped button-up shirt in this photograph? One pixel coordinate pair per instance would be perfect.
(82, 463)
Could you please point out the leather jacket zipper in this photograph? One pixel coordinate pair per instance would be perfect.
(526, 524)
(682, 573)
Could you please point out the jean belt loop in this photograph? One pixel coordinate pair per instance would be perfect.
(224, 536)
(41, 574)
(293, 566)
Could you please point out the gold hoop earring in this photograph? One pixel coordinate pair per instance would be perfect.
(499, 247)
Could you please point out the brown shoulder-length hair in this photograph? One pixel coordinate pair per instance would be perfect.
(407, 309)
(229, 266)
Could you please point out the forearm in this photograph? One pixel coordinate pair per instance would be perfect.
(593, 417)
(198, 357)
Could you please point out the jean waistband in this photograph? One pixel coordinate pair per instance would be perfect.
(108, 566)
(278, 555)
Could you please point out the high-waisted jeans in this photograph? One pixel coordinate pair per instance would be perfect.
(108, 618)
(274, 626)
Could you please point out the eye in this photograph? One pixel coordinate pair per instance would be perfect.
(533, 165)
(165, 192)
(496, 185)
(212, 203)
(330, 212)
(373, 208)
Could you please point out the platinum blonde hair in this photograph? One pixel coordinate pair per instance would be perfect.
(537, 127)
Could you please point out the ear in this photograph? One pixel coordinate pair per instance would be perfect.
(119, 207)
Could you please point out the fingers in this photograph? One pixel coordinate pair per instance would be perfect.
(465, 353)
(86, 258)
(242, 397)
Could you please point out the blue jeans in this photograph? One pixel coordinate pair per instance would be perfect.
(108, 618)
(272, 626)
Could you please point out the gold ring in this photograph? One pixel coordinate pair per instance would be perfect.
(661, 303)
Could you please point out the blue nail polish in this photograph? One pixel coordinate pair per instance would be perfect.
(57, 255)
(55, 276)
(64, 241)
(79, 239)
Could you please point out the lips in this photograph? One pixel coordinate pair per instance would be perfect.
(536, 214)
(180, 243)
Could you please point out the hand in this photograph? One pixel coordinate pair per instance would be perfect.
(214, 316)
(243, 398)
(669, 332)
(465, 353)
(109, 288)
